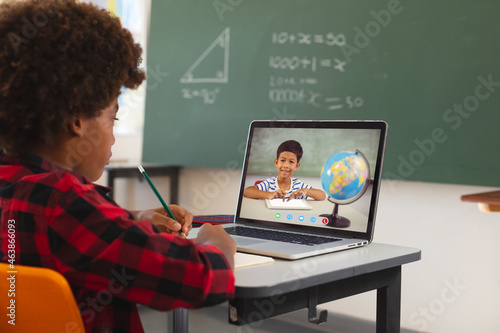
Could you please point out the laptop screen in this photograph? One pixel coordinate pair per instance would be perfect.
(323, 176)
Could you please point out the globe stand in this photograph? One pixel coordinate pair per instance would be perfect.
(334, 220)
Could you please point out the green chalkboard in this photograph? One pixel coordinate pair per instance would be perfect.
(429, 68)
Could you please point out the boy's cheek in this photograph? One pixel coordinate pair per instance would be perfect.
(105, 125)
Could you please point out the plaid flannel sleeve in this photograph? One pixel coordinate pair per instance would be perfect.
(96, 246)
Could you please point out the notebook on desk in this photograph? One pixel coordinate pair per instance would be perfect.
(342, 158)
(288, 204)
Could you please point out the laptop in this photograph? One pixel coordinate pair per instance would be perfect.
(343, 159)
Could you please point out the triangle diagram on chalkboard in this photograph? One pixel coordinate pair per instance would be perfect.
(212, 65)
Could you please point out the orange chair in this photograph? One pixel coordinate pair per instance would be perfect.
(36, 300)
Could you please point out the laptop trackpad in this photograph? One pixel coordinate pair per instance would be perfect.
(244, 241)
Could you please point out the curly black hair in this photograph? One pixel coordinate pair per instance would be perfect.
(59, 59)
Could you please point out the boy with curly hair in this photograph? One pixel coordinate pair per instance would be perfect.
(62, 66)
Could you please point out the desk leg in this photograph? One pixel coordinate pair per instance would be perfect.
(174, 185)
(111, 183)
(387, 283)
(389, 304)
(180, 321)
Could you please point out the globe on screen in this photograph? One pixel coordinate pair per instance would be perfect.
(345, 178)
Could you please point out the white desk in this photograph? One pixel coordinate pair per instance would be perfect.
(131, 171)
(276, 288)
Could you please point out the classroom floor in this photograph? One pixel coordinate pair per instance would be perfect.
(214, 320)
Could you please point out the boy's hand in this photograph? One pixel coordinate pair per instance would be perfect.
(160, 219)
(299, 193)
(217, 236)
(278, 194)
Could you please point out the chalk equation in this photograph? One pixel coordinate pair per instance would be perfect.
(214, 60)
(296, 83)
(279, 81)
(208, 96)
(306, 63)
(314, 98)
(293, 78)
(300, 38)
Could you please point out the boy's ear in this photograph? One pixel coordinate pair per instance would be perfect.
(76, 127)
(276, 161)
(298, 164)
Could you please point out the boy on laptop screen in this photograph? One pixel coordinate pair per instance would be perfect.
(284, 186)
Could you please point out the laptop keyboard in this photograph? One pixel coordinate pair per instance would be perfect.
(280, 236)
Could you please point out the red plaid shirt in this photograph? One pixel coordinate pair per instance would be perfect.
(68, 224)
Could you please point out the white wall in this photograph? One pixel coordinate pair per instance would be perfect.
(456, 285)
(454, 288)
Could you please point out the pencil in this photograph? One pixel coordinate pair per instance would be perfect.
(169, 212)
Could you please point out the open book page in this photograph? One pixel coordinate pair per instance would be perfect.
(292, 204)
(246, 259)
